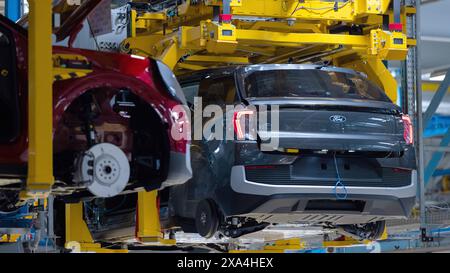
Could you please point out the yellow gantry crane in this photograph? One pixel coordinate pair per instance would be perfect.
(193, 34)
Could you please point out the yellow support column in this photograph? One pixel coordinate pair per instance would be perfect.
(149, 226)
(446, 184)
(77, 232)
(377, 72)
(78, 236)
(40, 101)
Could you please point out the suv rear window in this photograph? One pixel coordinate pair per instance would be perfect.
(309, 83)
(220, 91)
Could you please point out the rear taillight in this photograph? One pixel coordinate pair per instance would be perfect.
(408, 133)
(180, 131)
(245, 125)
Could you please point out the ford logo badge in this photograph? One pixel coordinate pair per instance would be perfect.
(338, 119)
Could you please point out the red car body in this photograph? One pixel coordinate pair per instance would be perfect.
(111, 73)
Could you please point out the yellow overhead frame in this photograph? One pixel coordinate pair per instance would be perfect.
(40, 102)
(261, 31)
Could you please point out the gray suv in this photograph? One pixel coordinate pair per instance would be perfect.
(344, 156)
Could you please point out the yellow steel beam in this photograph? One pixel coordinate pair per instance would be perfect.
(171, 54)
(217, 59)
(431, 86)
(286, 244)
(376, 71)
(133, 23)
(279, 246)
(148, 224)
(281, 26)
(10, 238)
(446, 184)
(412, 42)
(76, 228)
(266, 51)
(191, 66)
(210, 36)
(40, 102)
(307, 9)
(160, 16)
(296, 39)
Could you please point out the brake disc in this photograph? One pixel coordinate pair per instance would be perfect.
(105, 170)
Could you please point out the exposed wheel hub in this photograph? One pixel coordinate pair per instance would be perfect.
(368, 231)
(107, 170)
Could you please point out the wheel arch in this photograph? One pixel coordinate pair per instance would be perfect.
(68, 92)
(148, 97)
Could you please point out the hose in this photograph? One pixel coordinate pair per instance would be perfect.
(339, 183)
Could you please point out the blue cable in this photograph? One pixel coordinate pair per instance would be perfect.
(339, 183)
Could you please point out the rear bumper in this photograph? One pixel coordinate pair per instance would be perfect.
(332, 141)
(240, 184)
(315, 204)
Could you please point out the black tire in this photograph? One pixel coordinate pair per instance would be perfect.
(8, 201)
(369, 231)
(206, 219)
(379, 229)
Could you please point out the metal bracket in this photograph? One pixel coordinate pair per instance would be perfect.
(424, 236)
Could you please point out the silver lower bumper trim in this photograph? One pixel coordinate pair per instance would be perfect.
(241, 185)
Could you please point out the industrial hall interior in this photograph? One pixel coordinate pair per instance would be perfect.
(224, 126)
